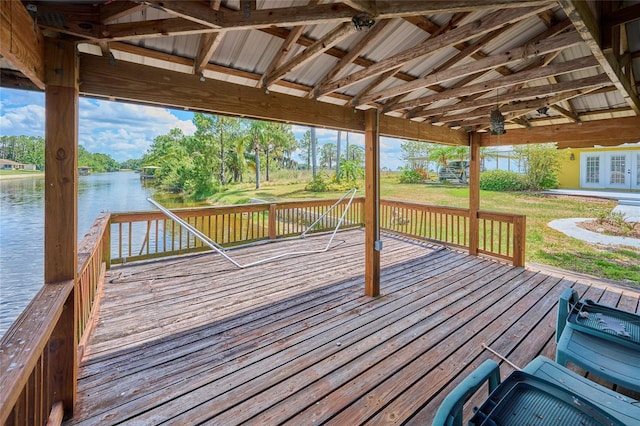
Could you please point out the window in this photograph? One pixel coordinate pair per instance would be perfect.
(593, 169)
(618, 169)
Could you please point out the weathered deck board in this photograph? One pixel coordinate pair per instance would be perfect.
(195, 340)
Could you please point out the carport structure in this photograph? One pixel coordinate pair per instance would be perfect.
(454, 72)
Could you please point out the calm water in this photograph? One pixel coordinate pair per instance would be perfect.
(22, 229)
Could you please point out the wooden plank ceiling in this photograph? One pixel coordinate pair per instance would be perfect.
(439, 67)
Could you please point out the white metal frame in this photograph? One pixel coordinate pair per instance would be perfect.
(221, 250)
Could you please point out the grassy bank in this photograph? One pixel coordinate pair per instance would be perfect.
(17, 174)
(544, 245)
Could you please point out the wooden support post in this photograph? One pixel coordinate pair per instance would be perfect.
(519, 240)
(371, 204)
(474, 193)
(106, 244)
(61, 211)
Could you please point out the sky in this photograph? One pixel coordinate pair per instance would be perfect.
(125, 131)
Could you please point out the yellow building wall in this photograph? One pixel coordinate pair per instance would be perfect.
(569, 174)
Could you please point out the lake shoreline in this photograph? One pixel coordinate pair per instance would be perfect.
(21, 176)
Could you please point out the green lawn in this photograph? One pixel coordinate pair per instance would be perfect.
(544, 245)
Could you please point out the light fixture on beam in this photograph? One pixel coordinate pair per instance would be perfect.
(497, 122)
(362, 20)
(543, 110)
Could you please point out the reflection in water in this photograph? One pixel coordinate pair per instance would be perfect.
(22, 229)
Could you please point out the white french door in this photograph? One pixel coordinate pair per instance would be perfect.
(618, 170)
(610, 170)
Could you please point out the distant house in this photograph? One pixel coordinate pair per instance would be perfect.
(7, 164)
(602, 168)
(13, 165)
(84, 170)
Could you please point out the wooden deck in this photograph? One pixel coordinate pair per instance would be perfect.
(195, 340)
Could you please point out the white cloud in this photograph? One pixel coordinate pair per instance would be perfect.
(125, 130)
(23, 120)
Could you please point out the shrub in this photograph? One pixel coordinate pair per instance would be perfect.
(542, 163)
(323, 183)
(501, 180)
(410, 175)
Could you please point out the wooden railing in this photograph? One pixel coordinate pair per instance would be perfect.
(447, 225)
(500, 235)
(31, 374)
(29, 385)
(144, 235)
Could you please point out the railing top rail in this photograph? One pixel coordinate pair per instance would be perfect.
(503, 217)
(430, 207)
(25, 341)
(89, 243)
(122, 217)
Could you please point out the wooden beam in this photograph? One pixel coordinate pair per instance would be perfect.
(371, 204)
(569, 114)
(367, 6)
(590, 30)
(133, 82)
(620, 129)
(110, 12)
(591, 144)
(340, 12)
(193, 11)
(21, 42)
(61, 210)
(435, 44)
(288, 43)
(525, 52)
(209, 42)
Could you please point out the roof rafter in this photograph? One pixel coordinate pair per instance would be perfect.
(435, 44)
(353, 54)
(530, 92)
(479, 55)
(113, 11)
(287, 44)
(208, 44)
(325, 43)
(387, 75)
(528, 51)
(522, 76)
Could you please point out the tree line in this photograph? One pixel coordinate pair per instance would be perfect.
(30, 150)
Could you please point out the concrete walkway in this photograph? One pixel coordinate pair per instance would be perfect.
(628, 203)
(570, 227)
